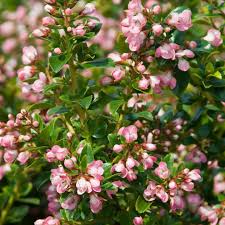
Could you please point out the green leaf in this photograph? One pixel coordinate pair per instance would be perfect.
(106, 62)
(183, 79)
(16, 214)
(40, 106)
(57, 110)
(58, 61)
(141, 205)
(86, 102)
(84, 163)
(115, 105)
(145, 114)
(88, 152)
(33, 201)
(112, 139)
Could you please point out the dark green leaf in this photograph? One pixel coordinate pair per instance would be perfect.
(58, 61)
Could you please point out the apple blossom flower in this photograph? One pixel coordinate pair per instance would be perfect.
(129, 133)
(214, 37)
(182, 21)
(162, 171)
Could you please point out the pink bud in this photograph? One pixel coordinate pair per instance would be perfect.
(57, 51)
(118, 148)
(157, 29)
(10, 156)
(89, 9)
(143, 84)
(183, 65)
(70, 203)
(95, 203)
(156, 9)
(48, 21)
(138, 220)
(129, 133)
(23, 157)
(68, 12)
(118, 74)
(162, 171)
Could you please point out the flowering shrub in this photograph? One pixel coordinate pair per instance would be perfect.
(118, 114)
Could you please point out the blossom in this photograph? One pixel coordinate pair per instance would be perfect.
(162, 171)
(182, 21)
(95, 203)
(214, 37)
(23, 157)
(129, 133)
(95, 169)
(165, 51)
(138, 220)
(71, 202)
(29, 55)
(60, 179)
(183, 65)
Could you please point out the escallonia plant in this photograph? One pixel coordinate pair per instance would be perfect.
(131, 136)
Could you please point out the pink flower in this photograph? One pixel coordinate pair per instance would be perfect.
(222, 221)
(56, 153)
(183, 65)
(157, 29)
(129, 133)
(60, 179)
(177, 203)
(150, 191)
(42, 32)
(71, 202)
(10, 156)
(95, 203)
(95, 185)
(48, 221)
(118, 148)
(214, 37)
(7, 141)
(118, 74)
(138, 220)
(119, 168)
(57, 51)
(144, 83)
(182, 21)
(194, 175)
(135, 41)
(26, 72)
(135, 6)
(69, 163)
(29, 55)
(23, 157)
(209, 214)
(149, 146)
(161, 194)
(131, 163)
(38, 85)
(4, 169)
(83, 186)
(89, 9)
(219, 183)
(95, 169)
(48, 21)
(165, 51)
(79, 30)
(162, 171)
(148, 161)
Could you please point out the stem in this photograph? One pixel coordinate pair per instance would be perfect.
(10, 202)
